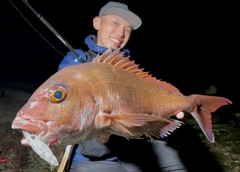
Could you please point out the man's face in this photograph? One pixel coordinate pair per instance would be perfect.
(113, 31)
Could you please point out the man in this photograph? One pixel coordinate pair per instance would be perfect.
(114, 25)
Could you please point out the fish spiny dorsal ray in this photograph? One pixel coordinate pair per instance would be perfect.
(116, 58)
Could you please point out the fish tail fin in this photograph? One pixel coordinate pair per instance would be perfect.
(202, 112)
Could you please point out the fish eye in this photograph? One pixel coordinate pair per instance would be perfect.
(58, 94)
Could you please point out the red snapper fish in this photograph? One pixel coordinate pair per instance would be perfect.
(110, 95)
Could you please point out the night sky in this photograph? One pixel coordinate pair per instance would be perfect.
(190, 45)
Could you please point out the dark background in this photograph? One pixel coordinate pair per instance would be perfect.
(190, 45)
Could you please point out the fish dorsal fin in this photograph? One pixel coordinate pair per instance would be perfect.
(116, 58)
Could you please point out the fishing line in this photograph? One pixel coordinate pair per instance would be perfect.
(50, 28)
(35, 29)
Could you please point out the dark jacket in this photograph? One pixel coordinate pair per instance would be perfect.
(93, 50)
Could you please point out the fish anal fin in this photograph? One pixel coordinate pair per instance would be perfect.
(164, 129)
(104, 137)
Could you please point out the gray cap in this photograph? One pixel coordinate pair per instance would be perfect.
(122, 10)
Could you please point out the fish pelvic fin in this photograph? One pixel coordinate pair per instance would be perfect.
(122, 123)
(202, 112)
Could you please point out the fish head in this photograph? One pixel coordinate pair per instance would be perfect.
(54, 111)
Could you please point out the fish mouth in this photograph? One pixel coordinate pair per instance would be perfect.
(37, 128)
(29, 125)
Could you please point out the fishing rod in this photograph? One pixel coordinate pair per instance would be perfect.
(54, 31)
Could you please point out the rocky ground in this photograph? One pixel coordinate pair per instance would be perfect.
(226, 148)
(224, 153)
(19, 158)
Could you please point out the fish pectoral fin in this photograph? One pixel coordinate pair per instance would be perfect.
(104, 137)
(134, 120)
(123, 122)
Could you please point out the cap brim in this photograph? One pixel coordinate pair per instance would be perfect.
(135, 21)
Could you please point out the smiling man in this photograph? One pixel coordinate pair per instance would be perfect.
(114, 26)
